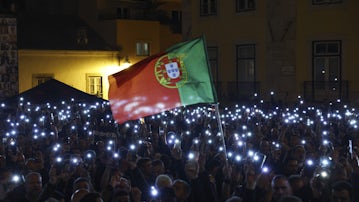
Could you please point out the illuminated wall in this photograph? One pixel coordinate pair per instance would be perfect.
(69, 67)
(129, 32)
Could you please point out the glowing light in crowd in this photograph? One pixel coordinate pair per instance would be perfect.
(239, 121)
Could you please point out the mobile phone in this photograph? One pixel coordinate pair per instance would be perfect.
(161, 131)
(194, 155)
(142, 121)
(258, 159)
(350, 148)
(15, 178)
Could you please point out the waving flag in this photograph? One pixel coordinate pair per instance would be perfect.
(178, 77)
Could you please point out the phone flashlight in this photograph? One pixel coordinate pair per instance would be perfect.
(15, 178)
(238, 158)
(154, 191)
(132, 147)
(89, 156)
(325, 162)
(310, 162)
(351, 149)
(74, 160)
(324, 174)
(191, 156)
(116, 155)
(265, 169)
(58, 159)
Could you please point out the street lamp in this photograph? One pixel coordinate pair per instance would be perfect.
(126, 63)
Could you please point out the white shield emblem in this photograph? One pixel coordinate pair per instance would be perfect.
(172, 70)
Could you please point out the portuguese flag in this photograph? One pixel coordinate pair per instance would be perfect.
(180, 76)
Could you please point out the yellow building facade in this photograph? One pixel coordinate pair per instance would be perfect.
(75, 68)
(328, 24)
(87, 70)
(279, 49)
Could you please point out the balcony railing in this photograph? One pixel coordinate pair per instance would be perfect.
(141, 14)
(133, 14)
(242, 91)
(326, 90)
(218, 86)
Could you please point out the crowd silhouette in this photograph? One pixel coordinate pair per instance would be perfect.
(258, 151)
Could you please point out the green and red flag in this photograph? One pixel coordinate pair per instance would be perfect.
(178, 77)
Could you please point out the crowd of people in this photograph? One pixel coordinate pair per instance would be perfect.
(71, 151)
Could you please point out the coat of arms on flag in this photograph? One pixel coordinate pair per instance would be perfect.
(170, 71)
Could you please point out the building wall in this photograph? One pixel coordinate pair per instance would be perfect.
(89, 11)
(129, 32)
(328, 22)
(111, 28)
(283, 31)
(228, 29)
(69, 67)
(280, 49)
(168, 38)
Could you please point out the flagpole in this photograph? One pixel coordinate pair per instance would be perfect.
(219, 122)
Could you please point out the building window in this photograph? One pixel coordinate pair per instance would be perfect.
(176, 21)
(94, 85)
(142, 49)
(246, 59)
(326, 63)
(245, 5)
(81, 36)
(321, 2)
(176, 16)
(208, 7)
(38, 79)
(122, 13)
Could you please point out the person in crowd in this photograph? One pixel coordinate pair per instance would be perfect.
(78, 195)
(342, 192)
(305, 152)
(121, 196)
(290, 167)
(163, 181)
(280, 187)
(297, 184)
(182, 190)
(142, 177)
(234, 199)
(7, 182)
(91, 197)
(166, 194)
(158, 167)
(30, 191)
(116, 186)
(290, 199)
(82, 183)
